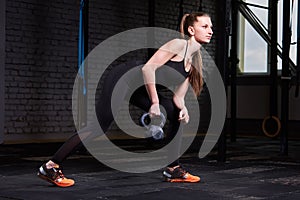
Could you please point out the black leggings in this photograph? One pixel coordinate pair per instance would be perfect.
(138, 98)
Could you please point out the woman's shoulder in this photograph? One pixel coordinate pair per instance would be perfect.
(178, 41)
(176, 44)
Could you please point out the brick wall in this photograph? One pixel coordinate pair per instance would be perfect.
(41, 54)
(41, 59)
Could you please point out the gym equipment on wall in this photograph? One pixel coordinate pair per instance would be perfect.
(82, 53)
(271, 124)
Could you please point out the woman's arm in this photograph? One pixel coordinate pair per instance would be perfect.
(178, 99)
(161, 56)
(180, 93)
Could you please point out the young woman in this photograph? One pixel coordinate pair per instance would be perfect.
(184, 56)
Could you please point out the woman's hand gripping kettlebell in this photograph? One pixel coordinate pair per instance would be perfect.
(154, 131)
(154, 110)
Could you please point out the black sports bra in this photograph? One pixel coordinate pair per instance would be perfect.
(179, 67)
(168, 76)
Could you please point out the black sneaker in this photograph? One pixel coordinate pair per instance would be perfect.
(179, 175)
(54, 176)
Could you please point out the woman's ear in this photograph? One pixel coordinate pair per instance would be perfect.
(191, 30)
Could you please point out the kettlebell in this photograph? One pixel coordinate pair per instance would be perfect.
(154, 131)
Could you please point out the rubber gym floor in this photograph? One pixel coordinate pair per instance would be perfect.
(254, 169)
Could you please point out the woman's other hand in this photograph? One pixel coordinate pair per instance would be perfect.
(184, 115)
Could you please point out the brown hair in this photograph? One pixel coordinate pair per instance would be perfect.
(196, 79)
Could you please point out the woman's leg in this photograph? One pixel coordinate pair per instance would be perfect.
(103, 111)
(50, 170)
(104, 118)
(173, 130)
(140, 99)
(175, 172)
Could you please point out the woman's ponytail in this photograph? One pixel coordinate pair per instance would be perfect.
(182, 25)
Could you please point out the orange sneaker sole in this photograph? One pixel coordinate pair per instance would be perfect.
(55, 183)
(183, 180)
(189, 179)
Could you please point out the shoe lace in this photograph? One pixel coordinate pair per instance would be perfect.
(178, 172)
(181, 171)
(60, 174)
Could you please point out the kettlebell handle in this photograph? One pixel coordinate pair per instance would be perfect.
(162, 123)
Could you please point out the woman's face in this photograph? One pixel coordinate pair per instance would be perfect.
(202, 29)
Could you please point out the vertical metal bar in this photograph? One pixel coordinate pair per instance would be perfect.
(86, 27)
(273, 58)
(234, 62)
(298, 52)
(83, 51)
(151, 13)
(286, 34)
(86, 47)
(2, 69)
(200, 6)
(222, 63)
(180, 15)
(151, 23)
